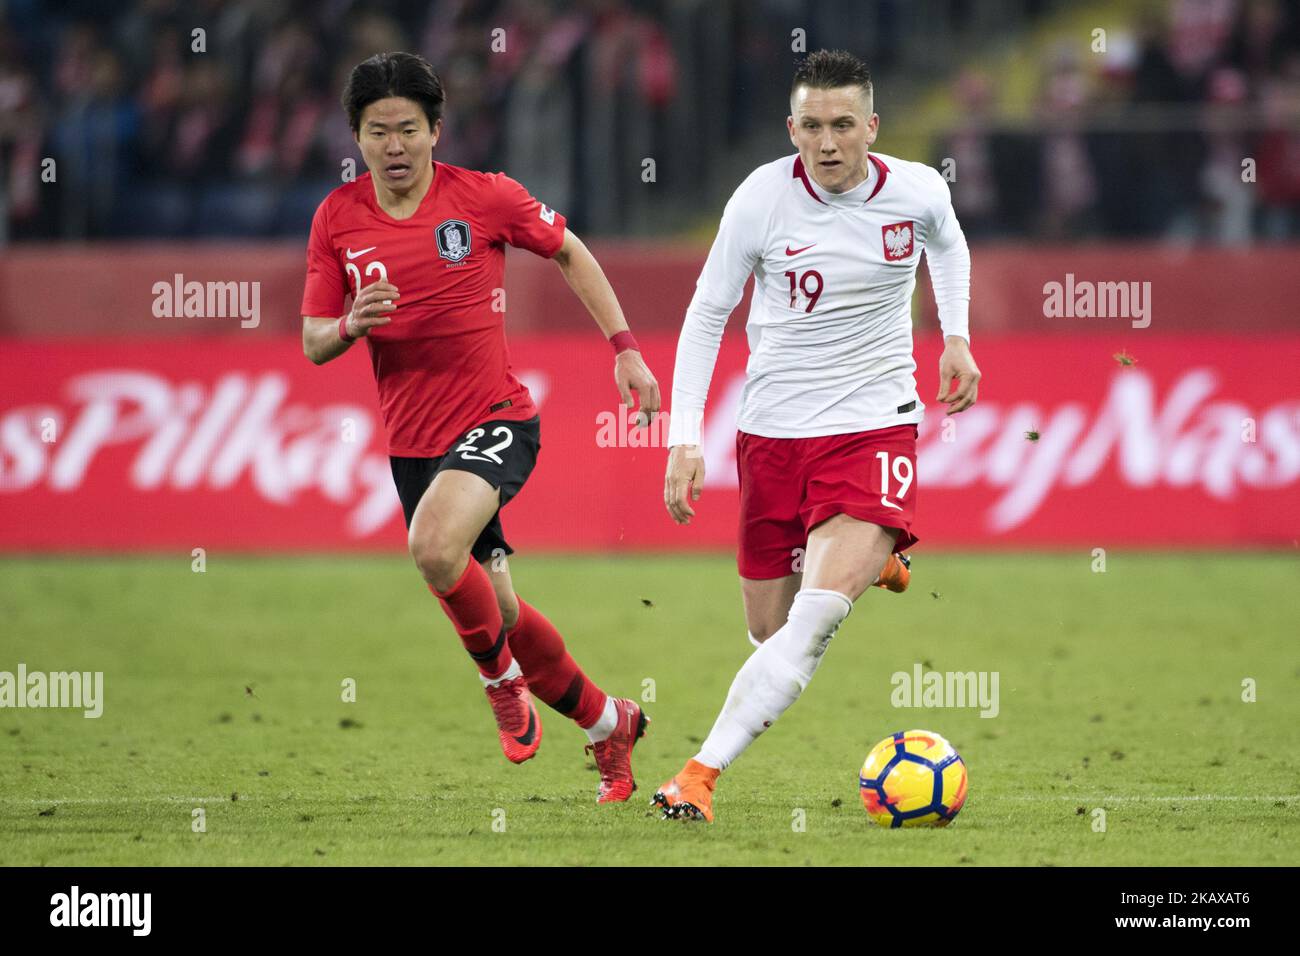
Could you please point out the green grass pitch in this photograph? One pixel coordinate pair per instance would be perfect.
(1119, 690)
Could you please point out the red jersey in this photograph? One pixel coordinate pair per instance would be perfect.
(441, 364)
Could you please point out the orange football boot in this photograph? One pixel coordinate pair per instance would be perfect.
(897, 574)
(689, 795)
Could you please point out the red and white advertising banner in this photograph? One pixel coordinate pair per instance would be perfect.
(161, 444)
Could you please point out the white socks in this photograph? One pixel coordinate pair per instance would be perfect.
(775, 675)
(510, 673)
(603, 727)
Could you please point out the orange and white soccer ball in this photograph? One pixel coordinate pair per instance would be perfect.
(913, 778)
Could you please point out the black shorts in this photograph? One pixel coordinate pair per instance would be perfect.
(501, 453)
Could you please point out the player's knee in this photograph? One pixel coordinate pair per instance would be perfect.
(850, 580)
(438, 559)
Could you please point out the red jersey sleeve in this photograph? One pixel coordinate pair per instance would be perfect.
(326, 284)
(523, 221)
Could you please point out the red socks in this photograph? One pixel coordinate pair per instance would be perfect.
(472, 606)
(553, 676)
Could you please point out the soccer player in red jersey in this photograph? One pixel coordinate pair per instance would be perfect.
(420, 245)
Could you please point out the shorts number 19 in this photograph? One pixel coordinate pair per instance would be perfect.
(902, 472)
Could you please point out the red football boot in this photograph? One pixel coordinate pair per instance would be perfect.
(614, 753)
(518, 725)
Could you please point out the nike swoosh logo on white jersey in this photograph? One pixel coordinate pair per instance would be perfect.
(889, 504)
(360, 252)
(795, 252)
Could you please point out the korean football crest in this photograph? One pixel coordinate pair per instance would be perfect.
(453, 240)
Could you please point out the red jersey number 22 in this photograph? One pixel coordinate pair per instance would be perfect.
(471, 452)
(376, 268)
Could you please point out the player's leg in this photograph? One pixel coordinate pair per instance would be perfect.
(553, 675)
(497, 567)
(767, 604)
(448, 502)
(844, 558)
(451, 505)
(539, 655)
(448, 521)
(442, 523)
(771, 550)
(845, 555)
(689, 794)
(613, 725)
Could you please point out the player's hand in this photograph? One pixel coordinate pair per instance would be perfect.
(683, 481)
(632, 375)
(371, 307)
(957, 362)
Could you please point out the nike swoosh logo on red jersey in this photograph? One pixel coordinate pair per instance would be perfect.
(360, 252)
(889, 504)
(795, 252)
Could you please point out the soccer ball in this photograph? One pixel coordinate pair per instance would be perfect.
(913, 778)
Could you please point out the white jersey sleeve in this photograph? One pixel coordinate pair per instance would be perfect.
(948, 257)
(736, 250)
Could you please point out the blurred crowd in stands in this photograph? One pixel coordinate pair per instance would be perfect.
(1187, 128)
(158, 131)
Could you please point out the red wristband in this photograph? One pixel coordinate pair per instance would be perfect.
(343, 331)
(622, 341)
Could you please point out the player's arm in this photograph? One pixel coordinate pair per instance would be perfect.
(721, 284)
(948, 258)
(325, 338)
(588, 282)
(325, 333)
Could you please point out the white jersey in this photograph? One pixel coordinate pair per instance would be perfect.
(830, 326)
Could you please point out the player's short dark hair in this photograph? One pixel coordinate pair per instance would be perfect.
(831, 69)
(393, 74)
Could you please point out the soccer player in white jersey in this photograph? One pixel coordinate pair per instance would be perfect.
(826, 443)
